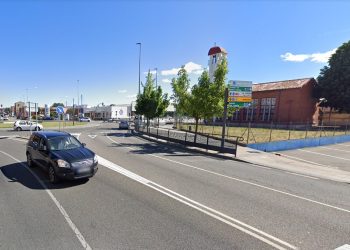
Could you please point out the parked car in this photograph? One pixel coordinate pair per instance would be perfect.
(47, 118)
(26, 125)
(123, 125)
(61, 155)
(84, 119)
(6, 117)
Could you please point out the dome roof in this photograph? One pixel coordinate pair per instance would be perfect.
(216, 50)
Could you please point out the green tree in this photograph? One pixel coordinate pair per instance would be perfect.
(333, 83)
(199, 101)
(56, 104)
(152, 102)
(217, 92)
(180, 86)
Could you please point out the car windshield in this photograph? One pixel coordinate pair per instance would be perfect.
(63, 143)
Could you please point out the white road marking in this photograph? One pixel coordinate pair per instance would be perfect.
(18, 139)
(306, 176)
(300, 159)
(57, 203)
(243, 181)
(256, 233)
(92, 136)
(332, 156)
(343, 247)
(347, 151)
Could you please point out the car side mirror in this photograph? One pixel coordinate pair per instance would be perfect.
(84, 144)
(43, 148)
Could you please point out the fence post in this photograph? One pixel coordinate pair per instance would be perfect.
(157, 133)
(289, 131)
(185, 138)
(207, 141)
(306, 128)
(168, 134)
(248, 133)
(346, 127)
(334, 128)
(271, 131)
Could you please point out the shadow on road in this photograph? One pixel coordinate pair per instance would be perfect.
(153, 149)
(16, 172)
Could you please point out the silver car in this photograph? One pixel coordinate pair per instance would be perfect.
(26, 125)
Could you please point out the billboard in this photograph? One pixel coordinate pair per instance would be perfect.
(122, 112)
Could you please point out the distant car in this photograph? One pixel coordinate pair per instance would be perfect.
(26, 125)
(6, 117)
(47, 118)
(84, 119)
(123, 125)
(61, 155)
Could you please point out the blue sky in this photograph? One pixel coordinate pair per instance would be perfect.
(47, 46)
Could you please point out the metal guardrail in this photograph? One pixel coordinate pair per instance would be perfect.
(187, 139)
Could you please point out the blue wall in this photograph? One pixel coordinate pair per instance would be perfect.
(300, 143)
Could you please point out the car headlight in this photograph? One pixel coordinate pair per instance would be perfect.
(95, 159)
(63, 164)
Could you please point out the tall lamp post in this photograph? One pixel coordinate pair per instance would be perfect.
(140, 45)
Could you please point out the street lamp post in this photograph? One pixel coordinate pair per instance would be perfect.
(140, 45)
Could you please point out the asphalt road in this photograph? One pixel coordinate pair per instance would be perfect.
(149, 196)
(333, 156)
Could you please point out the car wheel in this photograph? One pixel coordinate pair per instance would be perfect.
(30, 162)
(18, 129)
(52, 175)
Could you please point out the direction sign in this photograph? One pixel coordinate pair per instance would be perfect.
(59, 110)
(240, 93)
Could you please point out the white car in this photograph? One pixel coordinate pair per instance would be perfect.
(84, 119)
(26, 125)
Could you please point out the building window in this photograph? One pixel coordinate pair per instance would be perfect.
(267, 109)
(235, 115)
(250, 112)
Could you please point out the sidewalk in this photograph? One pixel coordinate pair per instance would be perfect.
(270, 160)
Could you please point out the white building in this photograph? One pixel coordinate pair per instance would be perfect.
(216, 54)
(113, 111)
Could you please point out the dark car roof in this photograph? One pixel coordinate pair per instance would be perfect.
(49, 134)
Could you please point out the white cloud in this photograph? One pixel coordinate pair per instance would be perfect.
(132, 96)
(190, 67)
(122, 91)
(166, 80)
(315, 57)
(322, 57)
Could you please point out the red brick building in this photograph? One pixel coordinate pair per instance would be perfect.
(285, 102)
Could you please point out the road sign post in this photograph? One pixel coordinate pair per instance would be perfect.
(60, 111)
(224, 119)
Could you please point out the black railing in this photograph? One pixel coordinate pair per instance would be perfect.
(205, 141)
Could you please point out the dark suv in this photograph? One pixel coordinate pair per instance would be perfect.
(61, 155)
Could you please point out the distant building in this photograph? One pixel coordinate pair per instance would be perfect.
(288, 101)
(20, 109)
(216, 55)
